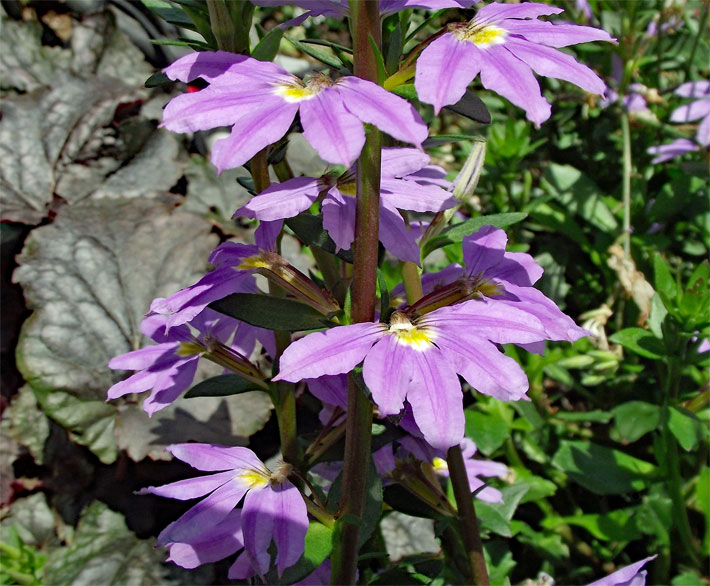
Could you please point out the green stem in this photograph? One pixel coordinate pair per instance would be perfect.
(626, 185)
(696, 40)
(365, 20)
(259, 169)
(222, 26)
(467, 517)
(412, 282)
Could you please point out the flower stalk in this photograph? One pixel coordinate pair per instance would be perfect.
(365, 19)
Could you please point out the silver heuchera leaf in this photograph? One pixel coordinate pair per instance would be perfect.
(90, 277)
(26, 423)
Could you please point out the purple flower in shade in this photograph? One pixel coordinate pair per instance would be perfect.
(696, 110)
(505, 43)
(629, 576)
(417, 358)
(168, 368)
(500, 277)
(666, 152)
(273, 509)
(259, 100)
(407, 183)
(474, 467)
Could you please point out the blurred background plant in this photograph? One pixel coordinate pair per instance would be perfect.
(609, 458)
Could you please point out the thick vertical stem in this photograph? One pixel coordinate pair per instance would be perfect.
(412, 282)
(626, 186)
(467, 517)
(365, 18)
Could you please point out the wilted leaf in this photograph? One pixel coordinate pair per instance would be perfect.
(104, 551)
(90, 277)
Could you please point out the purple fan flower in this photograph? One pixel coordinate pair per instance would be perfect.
(505, 43)
(168, 368)
(629, 576)
(259, 100)
(407, 183)
(474, 467)
(211, 530)
(666, 152)
(696, 110)
(417, 359)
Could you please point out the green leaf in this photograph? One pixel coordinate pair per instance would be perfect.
(318, 545)
(663, 279)
(157, 79)
(223, 385)
(272, 313)
(379, 60)
(580, 195)
(408, 92)
(595, 416)
(619, 525)
(384, 296)
(316, 54)
(702, 491)
(655, 517)
(686, 427)
(402, 500)
(602, 470)
(170, 13)
(640, 341)
(309, 229)
(634, 419)
(268, 47)
(488, 430)
(103, 551)
(457, 232)
(472, 107)
(491, 519)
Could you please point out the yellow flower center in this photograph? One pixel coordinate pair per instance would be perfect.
(190, 349)
(255, 478)
(483, 36)
(409, 334)
(439, 464)
(254, 262)
(296, 90)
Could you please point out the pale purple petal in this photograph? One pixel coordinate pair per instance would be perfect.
(373, 104)
(409, 195)
(223, 66)
(241, 569)
(213, 457)
(628, 576)
(671, 150)
(431, 175)
(518, 268)
(555, 34)
(499, 10)
(398, 162)
(384, 460)
(276, 512)
(703, 134)
(693, 89)
(693, 111)
(507, 75)
(267, 233)
(484, 250)
(396, 237)
(487, 494)
(282, 200)
(436, 399)
(331, 390)
(222, 541)
(254, 130)
(334, 351)
(232, 253)
(147, 357)
(190, 488)
(170, 384)
(137, 383)
(205, 514)
(558, 325)
(552, 63)
(387, 370)
(339, 218)
(331, 129)
(444, 70)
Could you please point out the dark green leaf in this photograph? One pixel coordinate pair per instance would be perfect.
(309, 230)
(686, 427)
(457, 232)
(170, 13)
(488, 430)
(223, 385)
(595, 416)
(384, 296)
(316, 54)
(633, 420)
(619, 525)
(379, 61)
(402, 500)
(272, 313)
(602, 470)
(640, 341)
(471, 106)
(663, 279)
(268, 47)
(157, 79)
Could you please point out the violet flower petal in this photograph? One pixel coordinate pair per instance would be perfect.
(339, 218)
(334, 351)
(665, 152)
(703, 134)
(147, 357)
(629, 576)
(373, 104)
(282, 200)
(444, 70)
(387, 371)
(408, 195)
(693, 111)
(331, 390)
(498, 11)
(220, 65)
(398, 162)
(331, 129)
(693, 89)
(396, 237)
(170, 384)
(222, 541)
(213, 457)
(555, 34)
(190, 488)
